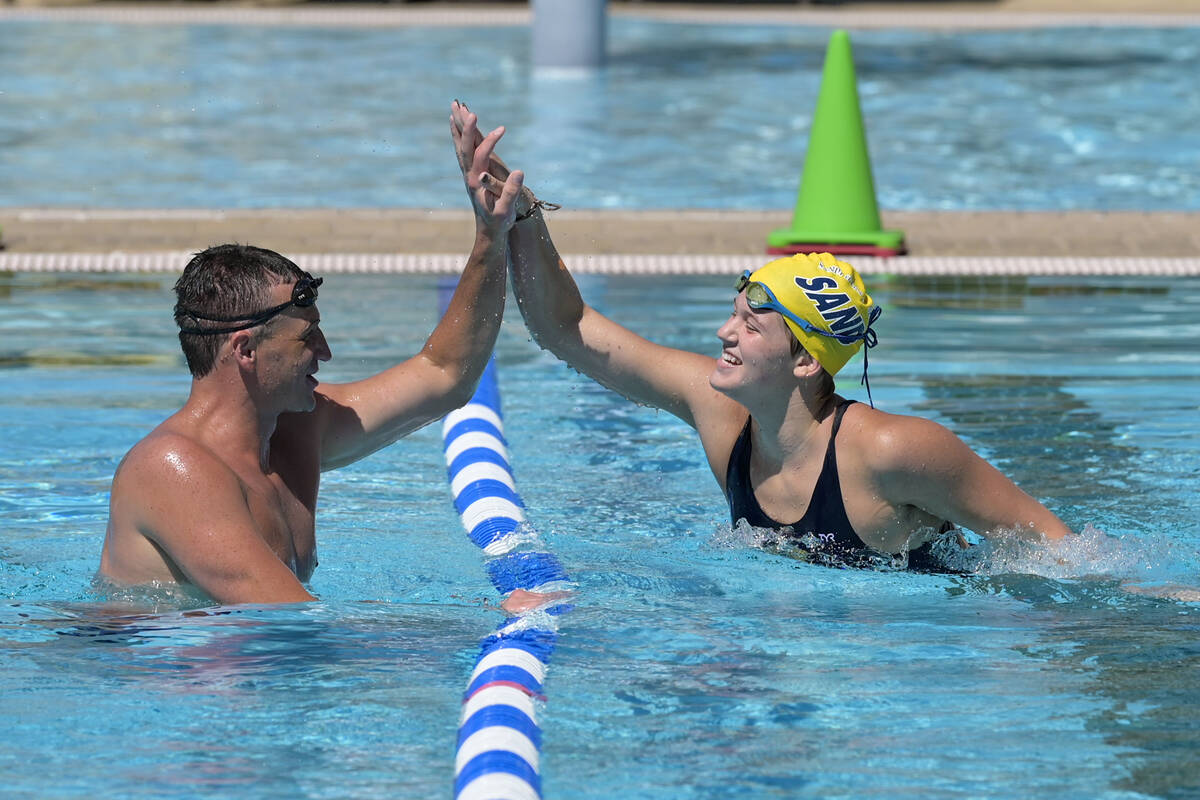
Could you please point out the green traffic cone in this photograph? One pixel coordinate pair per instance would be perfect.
(836, 210)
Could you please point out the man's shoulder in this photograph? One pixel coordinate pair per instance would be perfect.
(167, 454)
(161, 486)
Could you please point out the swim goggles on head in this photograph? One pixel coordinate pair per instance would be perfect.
(759, 296)
(304, 294)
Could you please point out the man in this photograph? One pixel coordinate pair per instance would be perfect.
(847, 481)
(222, 495)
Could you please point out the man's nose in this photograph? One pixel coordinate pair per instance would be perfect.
(323, 351)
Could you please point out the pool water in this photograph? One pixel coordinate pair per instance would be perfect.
(695, 664)
(685, 116)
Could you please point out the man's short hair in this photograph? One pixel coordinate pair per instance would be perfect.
(228, 280)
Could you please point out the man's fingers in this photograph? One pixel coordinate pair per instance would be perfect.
(516, 179)
(512, 187)
(476, 156)
(506, 191)
(483, 152)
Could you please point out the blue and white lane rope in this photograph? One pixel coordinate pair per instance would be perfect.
(499, 740)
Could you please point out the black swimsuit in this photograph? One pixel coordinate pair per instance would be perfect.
(824, 530)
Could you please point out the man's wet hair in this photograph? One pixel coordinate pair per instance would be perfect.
(228, 280)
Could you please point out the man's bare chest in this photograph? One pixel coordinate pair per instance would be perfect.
(285, 522)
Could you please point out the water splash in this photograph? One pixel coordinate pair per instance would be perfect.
(741, 535)
(806, 548)
(1153, 565)
(153, 598)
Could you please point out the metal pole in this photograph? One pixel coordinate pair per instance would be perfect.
(568, 34)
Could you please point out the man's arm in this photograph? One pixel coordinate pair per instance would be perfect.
(561, 322)
(193, 508)
(361, 417)
(919, 462)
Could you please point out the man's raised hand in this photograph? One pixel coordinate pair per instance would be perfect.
(493, 198)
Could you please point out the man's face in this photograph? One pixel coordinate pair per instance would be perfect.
(290, 350)
(756, 352)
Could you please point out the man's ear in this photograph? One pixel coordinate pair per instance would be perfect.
(243, 349)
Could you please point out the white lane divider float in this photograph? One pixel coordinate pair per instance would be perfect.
(499, 740)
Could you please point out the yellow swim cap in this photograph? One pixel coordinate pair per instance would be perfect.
(828, 297)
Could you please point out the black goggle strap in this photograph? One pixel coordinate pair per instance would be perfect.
(304, 294)
(869, 339)
(250, 322)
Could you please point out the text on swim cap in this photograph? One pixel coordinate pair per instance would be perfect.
(834, 307)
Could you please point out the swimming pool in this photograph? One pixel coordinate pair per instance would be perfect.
(694, 663)
(105, 115)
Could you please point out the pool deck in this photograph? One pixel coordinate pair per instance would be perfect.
(59, 238)
(931, 13)
(929, 233)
